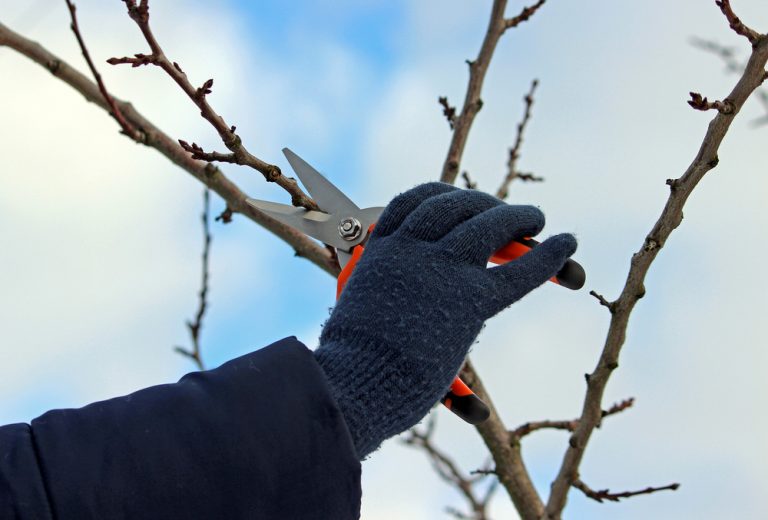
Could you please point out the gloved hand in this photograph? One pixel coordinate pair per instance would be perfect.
(418, 298)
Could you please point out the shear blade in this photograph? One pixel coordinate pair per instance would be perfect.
(328, 197)
(316, 224)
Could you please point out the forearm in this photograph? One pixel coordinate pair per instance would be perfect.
(256, 437)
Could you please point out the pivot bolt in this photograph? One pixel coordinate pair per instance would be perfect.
(350, 228)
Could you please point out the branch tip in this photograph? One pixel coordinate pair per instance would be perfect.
(514, 152)
(240, 155)
(225, 217)
(448, 111)
(468, 182)
(524, 15)
(605, 494)
(611, 306)
(125, 127)
(698, 102)
(736, 24)
(203, 91)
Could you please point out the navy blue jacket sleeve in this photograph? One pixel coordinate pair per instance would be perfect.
(259, 437)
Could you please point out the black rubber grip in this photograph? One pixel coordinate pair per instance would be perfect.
(470, 408)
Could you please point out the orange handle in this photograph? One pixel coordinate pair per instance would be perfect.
(572, 275)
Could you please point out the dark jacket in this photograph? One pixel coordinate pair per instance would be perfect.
(259, 438)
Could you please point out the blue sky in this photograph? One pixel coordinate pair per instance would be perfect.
(101, 239)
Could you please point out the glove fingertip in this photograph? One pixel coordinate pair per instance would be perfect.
(563, 245)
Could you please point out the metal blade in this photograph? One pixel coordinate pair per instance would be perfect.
(328, 197)
(316, 224)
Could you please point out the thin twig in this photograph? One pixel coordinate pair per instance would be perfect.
(514, 152)
(605, 494)
(477, 71)
(619, 407)
(195, 326)
(448, 111)
(449, 471)
(206, 173)
(127, 128)
(200, 154)
(468, 182)
(699, 102)
(736, 66)
(605, 303)
(634, 288)
(736, 24)
(530, 427)
(199, 96)
(524, 15)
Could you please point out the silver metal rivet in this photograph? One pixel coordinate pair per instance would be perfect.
(350, 228)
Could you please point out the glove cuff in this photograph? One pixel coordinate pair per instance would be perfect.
(370, 388)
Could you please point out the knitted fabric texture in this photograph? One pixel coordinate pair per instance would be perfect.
(417, 300)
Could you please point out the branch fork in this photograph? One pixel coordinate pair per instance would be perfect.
(240, 155)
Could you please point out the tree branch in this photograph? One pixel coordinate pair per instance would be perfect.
(240, 155)
(634, 288)
(194, 326)
(736, 24)
(514, 152)
(701, 103)
(449, 471)
(524, 15)
(114, 110)
(507, 457)
(733, 65)
(448, 111)
(477, 70)
(153, 137)
(468, 182)
(605, 494)
(530, 427)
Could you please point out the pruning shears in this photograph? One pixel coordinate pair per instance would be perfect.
(342, 225)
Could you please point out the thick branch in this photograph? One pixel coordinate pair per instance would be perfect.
(514, 152)
(140, 15)
(634, 289)
(477, 70)
(155, 138)
(507, 457)
(605, 494)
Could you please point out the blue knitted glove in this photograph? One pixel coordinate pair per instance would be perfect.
(418, 298)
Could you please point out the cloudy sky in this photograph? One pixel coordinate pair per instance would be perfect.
(100, 238)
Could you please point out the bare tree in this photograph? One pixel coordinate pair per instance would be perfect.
(504, 443)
